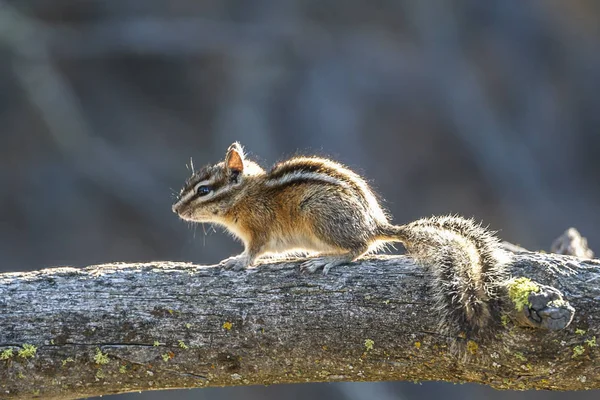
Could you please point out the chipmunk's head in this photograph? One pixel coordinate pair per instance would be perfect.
(210, 192)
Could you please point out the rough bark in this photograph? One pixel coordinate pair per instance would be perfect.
(126, 327)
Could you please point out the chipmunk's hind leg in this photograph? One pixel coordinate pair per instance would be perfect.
(326, 262)
(337, 223)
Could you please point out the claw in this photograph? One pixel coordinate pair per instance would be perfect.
(237, 263)
(311, 266)
(326, 263)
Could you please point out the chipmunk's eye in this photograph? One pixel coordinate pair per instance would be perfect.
(203, 190)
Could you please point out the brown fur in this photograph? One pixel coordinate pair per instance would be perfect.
(311, 211)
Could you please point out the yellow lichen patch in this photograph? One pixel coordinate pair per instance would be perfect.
(472, 347)
(182, 344)
(418, 345)
(369, 344)
(580, 331)
(558, 303)
(578, 350)
(122, 369)
(156, 343)
(505, 320)
(519, 291)
(227, 325)
(166, 357)
(28, 351)
(591, 342)
(6, 354)
(100, 358)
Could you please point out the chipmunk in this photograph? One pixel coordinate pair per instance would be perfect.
(316, 204)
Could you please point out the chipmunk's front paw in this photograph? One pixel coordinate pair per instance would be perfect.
(237, 263)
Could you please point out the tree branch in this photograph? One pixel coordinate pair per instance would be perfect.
(127, 327)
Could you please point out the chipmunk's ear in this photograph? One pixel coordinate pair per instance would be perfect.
(234, 160)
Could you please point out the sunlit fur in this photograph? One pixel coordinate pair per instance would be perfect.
(289, 200)
(469, 269)
(316, 205)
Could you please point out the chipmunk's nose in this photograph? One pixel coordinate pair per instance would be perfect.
(175, 208)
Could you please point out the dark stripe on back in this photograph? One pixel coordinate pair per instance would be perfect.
(312, 165)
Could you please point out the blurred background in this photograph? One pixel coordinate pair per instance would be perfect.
(486, 109)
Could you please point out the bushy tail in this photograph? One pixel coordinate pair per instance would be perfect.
(468, 268)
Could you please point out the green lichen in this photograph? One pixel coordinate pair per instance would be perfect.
(68, 360)
(6, 354)
(591, 342)
(28, 351)
(578, 350)
(519, 291)
(188, 326)
(166, 357)
(20, 375)
(122, 369)
(580, 331)
(369, 344)
(505, 320)
(181, 344)
(100, 358)
(520, 356)
(156, 343)
(100, 374)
